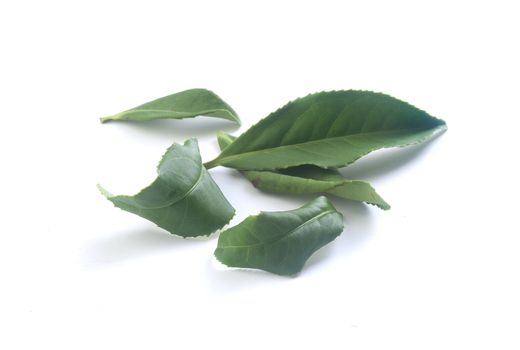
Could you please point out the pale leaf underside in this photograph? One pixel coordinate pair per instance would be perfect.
(306, 179)
(184, 104)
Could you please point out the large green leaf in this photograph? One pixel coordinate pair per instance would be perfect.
(184, 199)
(308, 179)
(184, 104)
(329, 130)
(280, 242)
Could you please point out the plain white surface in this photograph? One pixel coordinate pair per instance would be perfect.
(437, 271)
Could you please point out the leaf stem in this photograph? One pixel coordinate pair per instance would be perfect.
(111, 117)
(211, 164)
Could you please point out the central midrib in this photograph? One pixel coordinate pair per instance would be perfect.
(180, 198)
(285, 235)
(227, 159)
(135, 111)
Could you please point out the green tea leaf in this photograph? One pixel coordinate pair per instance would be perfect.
(308, 179)
(184, 104)
(280, 242)
(329, 130)
(184, 199)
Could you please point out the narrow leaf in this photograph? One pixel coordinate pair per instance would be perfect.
(308, 179)
(280, 242)
(185, 104)
(184, 199)
(329, 130)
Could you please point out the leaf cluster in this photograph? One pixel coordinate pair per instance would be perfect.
(297, 149)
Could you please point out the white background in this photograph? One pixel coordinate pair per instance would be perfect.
(440, 270)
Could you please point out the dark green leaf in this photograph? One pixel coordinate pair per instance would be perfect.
(280, 242)
(308, 179)
(184, 199)
(185, 104)
(329, 130)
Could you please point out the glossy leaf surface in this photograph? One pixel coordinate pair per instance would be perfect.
(329, 130)
(184, 199)
(280, 242)
(308, 179)
(184, 104)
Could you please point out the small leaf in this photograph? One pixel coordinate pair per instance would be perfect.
(329, 130)
(184, 199)
(280, 242)
(308, 179)
(184, 104)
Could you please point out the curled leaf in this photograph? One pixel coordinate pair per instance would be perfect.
(308, 179)
(184, 199)
(184, 104)
(280, 242)
(329, 130)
